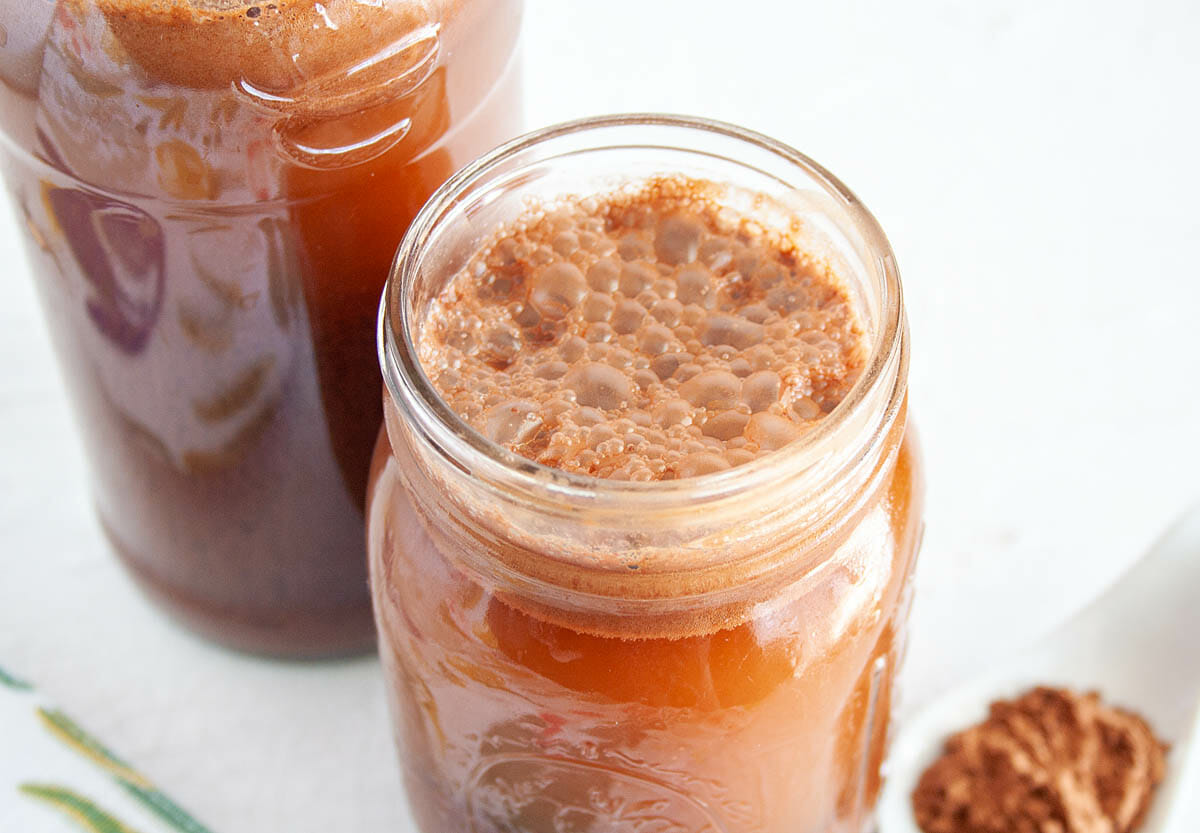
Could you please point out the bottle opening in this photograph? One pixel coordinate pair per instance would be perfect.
(603, 164)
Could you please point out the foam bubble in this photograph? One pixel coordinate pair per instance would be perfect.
(512, 422)
(677, 238)
(761, 390)
(599, 385)
(694, 287)
(712, 389)
(731, 330)
(557, 289)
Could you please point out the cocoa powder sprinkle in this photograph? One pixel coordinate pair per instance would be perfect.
(1051, 761)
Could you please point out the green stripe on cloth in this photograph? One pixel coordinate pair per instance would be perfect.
(133, 782)
(81, 809)
(9, 681)
(73, 735)
(164, 808)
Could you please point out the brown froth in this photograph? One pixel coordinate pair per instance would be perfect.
(647, 334)
(275, 47)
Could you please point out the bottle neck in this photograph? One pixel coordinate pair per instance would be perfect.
(600, 554)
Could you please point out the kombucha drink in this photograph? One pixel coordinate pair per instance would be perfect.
(644, 515)
(211, 193)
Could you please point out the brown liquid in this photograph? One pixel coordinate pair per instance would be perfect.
(722, 706)
(213, 192)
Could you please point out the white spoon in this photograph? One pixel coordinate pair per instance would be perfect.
(1138, 644)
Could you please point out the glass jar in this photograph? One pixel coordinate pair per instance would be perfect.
(710, 654)
(211, 193)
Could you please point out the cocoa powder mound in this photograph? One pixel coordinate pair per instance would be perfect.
(1051, 761)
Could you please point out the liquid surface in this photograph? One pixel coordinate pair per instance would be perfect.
(642, 335)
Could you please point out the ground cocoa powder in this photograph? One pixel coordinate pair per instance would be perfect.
(1051, 761)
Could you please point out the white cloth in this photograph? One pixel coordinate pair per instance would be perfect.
(64, 779)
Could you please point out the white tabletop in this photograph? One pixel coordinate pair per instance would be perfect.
(1035, 165)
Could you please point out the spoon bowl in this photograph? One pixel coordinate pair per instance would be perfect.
(1136, 644)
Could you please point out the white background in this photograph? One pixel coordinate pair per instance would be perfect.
(1035, 165)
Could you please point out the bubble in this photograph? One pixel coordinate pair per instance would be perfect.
(674, 412)
(677, 238)
(557, 289)
(589, 416)
(646, 299)
(780, 330)
(599, 435)
(731, 330)
(761, 390)
(603, 275)
(599, 385)
(668, 311)
(767, 275)
(694, 286)
(655, 339)
(701, 462)
(501, 344)
(693, 315)
(687, 371)
(598, 306)
(664, 366)
(760, 357)
(663, 288)
(634, 246)
(723, 355)
(636, 277)
(715, 253)
(786, 299)
(746, 260)
(620, 358)
(525, 315)
(572, 349)
(565, 243)
(628, 316)
(806, 408)
(725, 425)
(461, 339)
(512, 422)
(758, 313)
(600, 332)
(739, 456)
(551, 370)
(623, 425)
(713, 389)
(770, 432)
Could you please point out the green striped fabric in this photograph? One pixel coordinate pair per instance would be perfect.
(105, 795)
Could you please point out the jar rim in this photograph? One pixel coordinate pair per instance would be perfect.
(464, 447)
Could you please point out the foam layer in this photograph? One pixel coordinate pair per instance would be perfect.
(274, 46)
(642, 335)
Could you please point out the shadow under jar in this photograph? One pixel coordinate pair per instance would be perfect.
(211, 193)
(712, 653)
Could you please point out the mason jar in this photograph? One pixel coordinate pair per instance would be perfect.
(211, 192)
(713, 653)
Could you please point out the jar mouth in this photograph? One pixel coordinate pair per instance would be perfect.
(465, 448)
